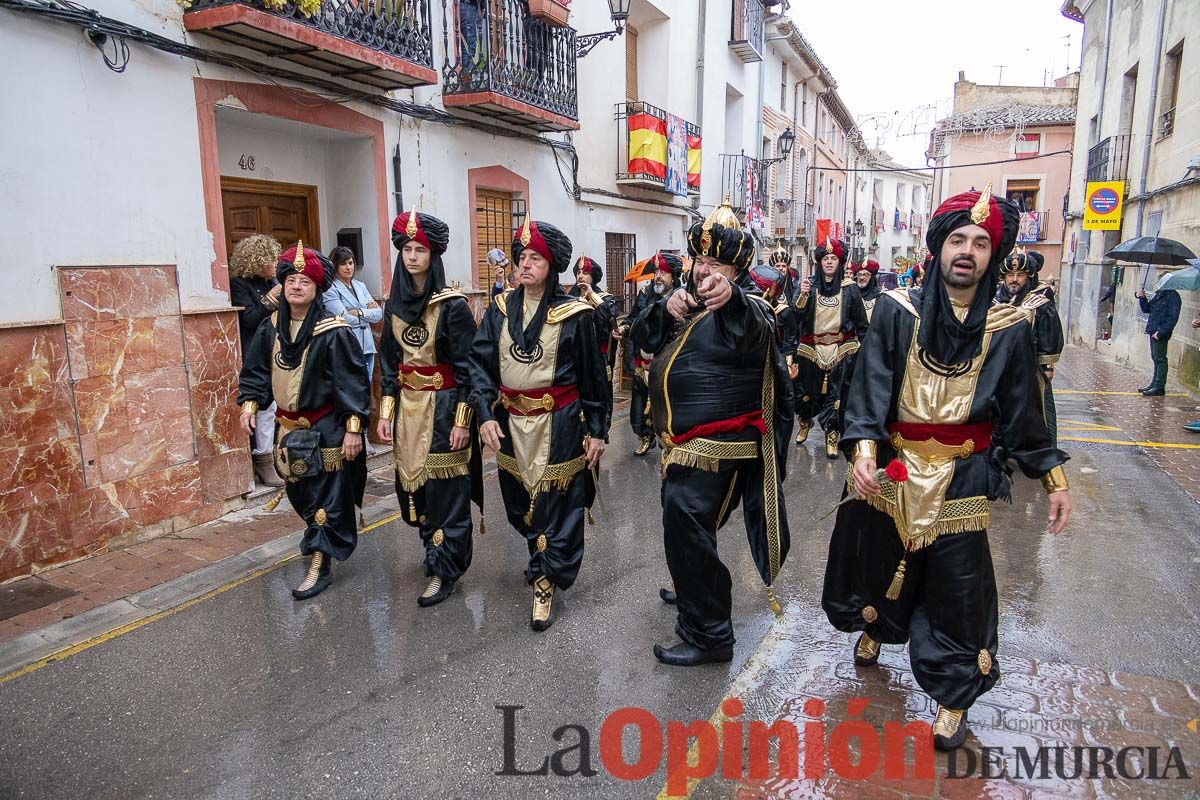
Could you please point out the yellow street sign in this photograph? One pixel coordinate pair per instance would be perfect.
(1103, 202)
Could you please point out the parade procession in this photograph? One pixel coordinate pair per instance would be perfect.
(600, 398)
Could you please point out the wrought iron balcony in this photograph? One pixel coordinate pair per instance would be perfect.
(1108, 160)
(503, 62)
(644, 148)
(383, 43)
(748, 26)
(744, 183)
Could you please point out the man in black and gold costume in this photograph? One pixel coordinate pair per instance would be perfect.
(1019, 287)
(667, 269)
(539, 389)
(866, 276)
(426, 383)
(308, 362)
(830, 326)
(720, 404)
(589, 287)
(946, 384)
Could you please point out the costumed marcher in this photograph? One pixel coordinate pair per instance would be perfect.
(865, 275)
(722, 407)
(667, 269)
(539, 389)
(425, 411)
(589, 288)
(946, 386)
(781, 260)
(309, 363)
(830, 327)
(1019, 287)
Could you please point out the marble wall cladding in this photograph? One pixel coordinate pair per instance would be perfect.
(119, 418)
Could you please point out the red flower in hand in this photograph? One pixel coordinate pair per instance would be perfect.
(897, 471)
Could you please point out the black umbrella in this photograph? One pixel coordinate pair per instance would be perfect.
(1152, 250)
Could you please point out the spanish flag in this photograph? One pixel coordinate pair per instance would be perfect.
(648, 146)
(693, 143)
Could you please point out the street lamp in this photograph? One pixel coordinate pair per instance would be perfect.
(618, 10)
(858, 227)
(786, 140)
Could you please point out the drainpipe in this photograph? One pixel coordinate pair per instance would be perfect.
(1104, 71)
(700, 32)
(1145, 171)
(398, 193)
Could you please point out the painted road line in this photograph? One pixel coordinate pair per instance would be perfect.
(71, 650)
(1167, 445)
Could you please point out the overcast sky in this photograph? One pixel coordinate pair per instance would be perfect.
(895, 63)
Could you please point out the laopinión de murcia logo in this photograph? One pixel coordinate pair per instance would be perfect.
(853, 749)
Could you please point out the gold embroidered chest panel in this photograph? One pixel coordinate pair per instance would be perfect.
(528, 371)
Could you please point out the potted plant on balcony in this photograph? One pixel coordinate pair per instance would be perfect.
(554, 12)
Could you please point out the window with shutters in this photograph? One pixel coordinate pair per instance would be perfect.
(497, 215)
(631, 63)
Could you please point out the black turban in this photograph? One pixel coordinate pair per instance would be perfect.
(317, 268)
(589, 265)
(941, 335)
(546, 240)
(721, 237)
(405, 301)
(554, 246)
(832, 286)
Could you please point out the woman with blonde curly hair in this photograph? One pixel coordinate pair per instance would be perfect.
(253, 288)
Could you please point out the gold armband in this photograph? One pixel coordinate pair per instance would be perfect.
(865, 448)
(270, 303)
(250, 407)
(593, 300)
(353, 424)
(387, 407)
(1055, 480)
(463, 414)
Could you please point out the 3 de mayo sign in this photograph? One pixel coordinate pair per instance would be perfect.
(1102, 205)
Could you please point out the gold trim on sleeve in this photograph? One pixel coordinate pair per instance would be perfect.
(353, 424)
(866, 448)
(463, 414)
(250, 407)
(1055, 480)
(387, 407)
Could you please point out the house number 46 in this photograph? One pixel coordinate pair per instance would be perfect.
(246, 162)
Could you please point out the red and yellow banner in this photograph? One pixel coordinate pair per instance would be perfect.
(693, 143)
(648, 146)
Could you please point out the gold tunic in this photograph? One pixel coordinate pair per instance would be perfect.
(413, 424)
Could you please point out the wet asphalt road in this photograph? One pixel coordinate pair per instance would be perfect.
(359, 693)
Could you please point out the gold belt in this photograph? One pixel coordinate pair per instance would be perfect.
(415, 380)
(289, 425)
(932, 450)
(526, 404)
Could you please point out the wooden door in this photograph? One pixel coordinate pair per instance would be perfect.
(497, 215)
(287, 211)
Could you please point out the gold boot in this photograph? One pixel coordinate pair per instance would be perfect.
(831, 444)
(866, 651)
(643, 446)
(543, 599)
(316, 579)
(949, 728)
(802, 430)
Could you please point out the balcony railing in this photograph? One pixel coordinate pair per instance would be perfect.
(1167, 123)
(1108, 160)
(746, 35)
(384, 44)
(743, 181)
(503, 62)
(644, 149)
